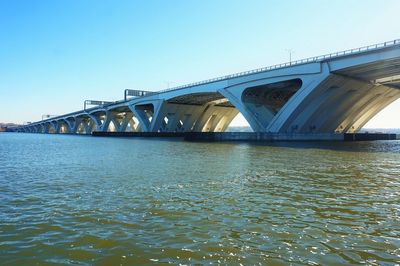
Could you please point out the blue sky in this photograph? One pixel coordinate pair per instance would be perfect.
(56, 54)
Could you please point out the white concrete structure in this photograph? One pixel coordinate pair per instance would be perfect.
(335, 93)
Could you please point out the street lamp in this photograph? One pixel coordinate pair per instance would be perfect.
(290, 51)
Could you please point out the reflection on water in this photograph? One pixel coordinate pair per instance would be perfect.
(83, 200)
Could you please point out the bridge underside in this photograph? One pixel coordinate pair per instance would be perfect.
(202, 112)
(339, 104)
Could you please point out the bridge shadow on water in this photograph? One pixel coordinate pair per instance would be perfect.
(334, 145)
(376, 146)
(345, 146)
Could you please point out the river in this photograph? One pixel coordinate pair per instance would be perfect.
(109, 201)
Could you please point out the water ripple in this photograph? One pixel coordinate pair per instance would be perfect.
(78, 200)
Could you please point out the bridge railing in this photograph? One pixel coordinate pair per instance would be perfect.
(292, 63)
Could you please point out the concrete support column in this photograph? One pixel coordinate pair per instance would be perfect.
(383, 102)
(149, 114)
(109, 116)
(46, 128)
(182, 117)
(215, 118)
(159, 114)
(40, 128)
(89, 125)
(75, 125)
(125, 121)
(282, 121)
(141, 117)
(57, 126)
(96, 123)
(256, 121)
(67, 126)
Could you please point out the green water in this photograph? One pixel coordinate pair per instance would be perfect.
(83, 201)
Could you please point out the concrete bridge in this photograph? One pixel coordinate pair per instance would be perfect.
(334, 93)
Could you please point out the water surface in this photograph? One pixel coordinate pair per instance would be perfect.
(107, 201)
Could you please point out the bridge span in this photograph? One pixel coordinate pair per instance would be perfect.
(334, 93)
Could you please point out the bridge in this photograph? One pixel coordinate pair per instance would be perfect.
(333, 93)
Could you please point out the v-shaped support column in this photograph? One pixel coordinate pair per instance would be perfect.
(149, 114)
(124, 123)
(96, 121)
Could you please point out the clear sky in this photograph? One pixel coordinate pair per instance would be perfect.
(56, 54)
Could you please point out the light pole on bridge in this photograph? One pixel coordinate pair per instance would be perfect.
(290, 51)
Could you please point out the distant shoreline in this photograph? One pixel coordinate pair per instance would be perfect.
(4, 126)
(363, 130)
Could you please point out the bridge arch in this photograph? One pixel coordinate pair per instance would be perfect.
(62, 126)
(49, 127)
(263, 100)
(83, 124)
(121, 119)
(196, 111)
